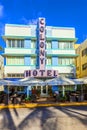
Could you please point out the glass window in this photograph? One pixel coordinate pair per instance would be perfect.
(48, 45)
(67, 61)
(13, 43)
(9, 43)
(18, 44)
(15, 60)
(71, 45)
(54, 61)
(49, 61)
(54, 44)
(33, 44)
(22, 44)
(59, 61)
(63, 61)
(65, 45)
(33, 61)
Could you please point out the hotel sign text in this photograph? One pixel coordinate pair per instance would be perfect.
(41, 72)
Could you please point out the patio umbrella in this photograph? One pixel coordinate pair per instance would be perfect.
(84, 80)
(78, 81)
(60, 81)
(31, 81)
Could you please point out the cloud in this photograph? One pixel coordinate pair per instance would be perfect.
(28, 21)
(33, 21)
(1, 10)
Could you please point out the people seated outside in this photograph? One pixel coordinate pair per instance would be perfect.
(33, 96)
(56, 96)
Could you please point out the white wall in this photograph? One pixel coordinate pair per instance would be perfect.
(63, 32)
(66, 69)
(19, 51)
(16, 69)
(17, 30)
(25, 30)
(61, 52)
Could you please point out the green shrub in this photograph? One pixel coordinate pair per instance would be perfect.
(28, 98)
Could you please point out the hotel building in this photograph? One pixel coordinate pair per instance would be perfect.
(81, 60)
(39, 51)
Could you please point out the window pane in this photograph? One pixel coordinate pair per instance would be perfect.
(48, 45)
(49, 61)
(33, 44)
(33, 61)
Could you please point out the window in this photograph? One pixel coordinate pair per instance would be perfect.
(22, 43)
(84, 52)
(33, 61)
(54, 61)
(21, 75)
(54, 44)
(84, 66)
(48, 45)
(72, 45)
(33, 44)
(66, 61)
(49, 61)
(15, 60)
(66, 45)
(8, 43)
(15, 43)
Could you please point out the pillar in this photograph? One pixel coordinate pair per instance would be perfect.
(63, 91)
(28, 90)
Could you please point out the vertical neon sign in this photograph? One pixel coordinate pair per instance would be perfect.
(42, 40)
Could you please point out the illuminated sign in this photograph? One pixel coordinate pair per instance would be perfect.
(41, 72)
(42, 43)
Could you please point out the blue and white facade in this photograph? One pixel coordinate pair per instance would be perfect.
(22, 51)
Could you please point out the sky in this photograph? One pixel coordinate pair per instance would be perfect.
(61, 13)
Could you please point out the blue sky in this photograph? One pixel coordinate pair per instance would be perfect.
(62, 13)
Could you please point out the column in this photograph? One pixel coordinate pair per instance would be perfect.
(28, 90)
(63, 91)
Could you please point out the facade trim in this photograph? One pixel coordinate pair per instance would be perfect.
(34, 38)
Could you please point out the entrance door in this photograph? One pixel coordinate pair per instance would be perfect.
(44, 90)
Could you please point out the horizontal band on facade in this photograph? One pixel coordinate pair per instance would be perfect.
(34, 38)
(59, 55)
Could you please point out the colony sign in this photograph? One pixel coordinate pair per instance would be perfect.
(42, 45)
(41, 72)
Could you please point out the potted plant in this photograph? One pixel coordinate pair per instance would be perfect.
(27, 99)
(63, 98)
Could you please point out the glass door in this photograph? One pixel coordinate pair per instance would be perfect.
(44, 90)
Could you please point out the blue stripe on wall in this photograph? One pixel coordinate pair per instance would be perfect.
(27, 44)
(54, 61)
(27, 60)
(54, 44)
(4, 61)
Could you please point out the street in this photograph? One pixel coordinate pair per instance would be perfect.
(46, 118)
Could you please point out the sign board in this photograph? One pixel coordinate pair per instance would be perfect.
(41, 38)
